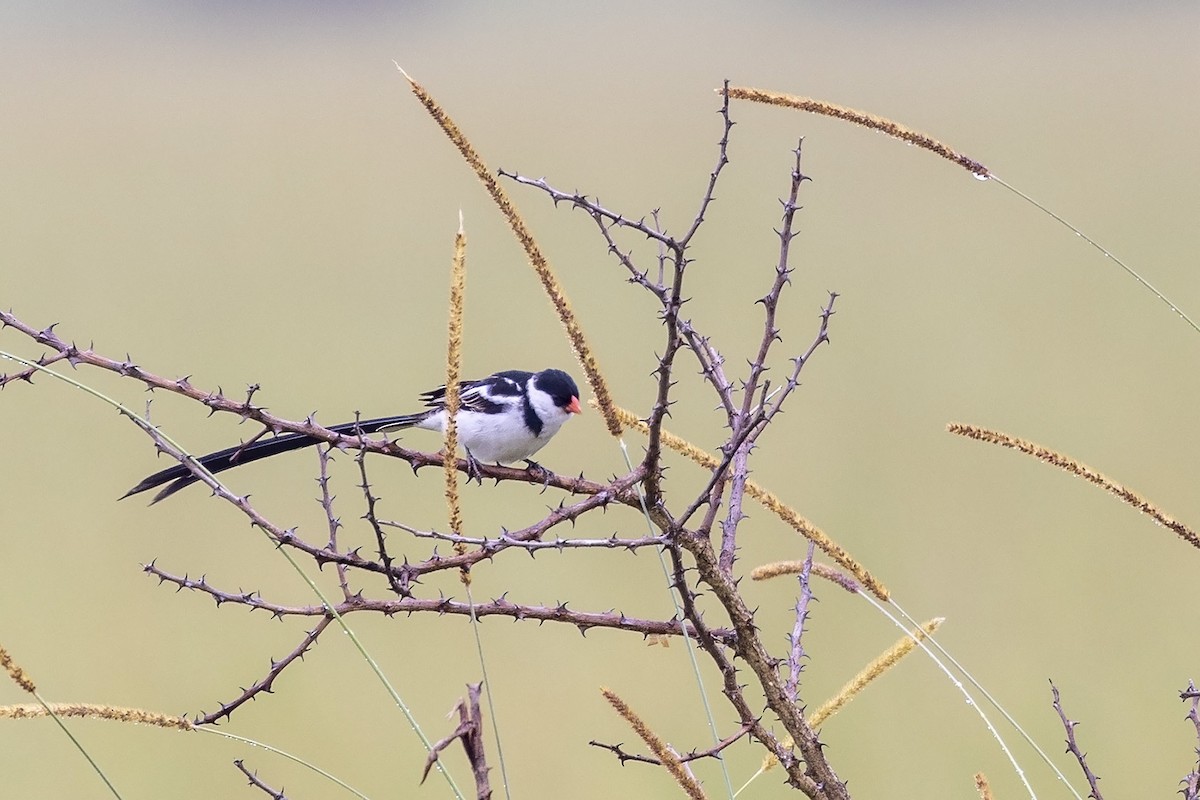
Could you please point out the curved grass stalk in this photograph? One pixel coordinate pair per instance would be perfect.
(996, 705)
(1103, 251)
(904, 133)
(958, 685)
(285, 754)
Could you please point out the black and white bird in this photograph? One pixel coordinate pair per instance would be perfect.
(504, 417)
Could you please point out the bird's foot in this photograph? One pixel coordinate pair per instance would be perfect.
(474, 469)
(536, 470)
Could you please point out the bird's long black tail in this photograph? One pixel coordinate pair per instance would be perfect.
(178, 476)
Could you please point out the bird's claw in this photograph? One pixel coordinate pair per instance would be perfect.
(536, 470)
(474, 469)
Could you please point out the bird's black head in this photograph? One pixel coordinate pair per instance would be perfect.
(561, 387)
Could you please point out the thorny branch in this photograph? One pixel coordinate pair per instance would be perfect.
(697, 563)
(796, 650)
(257, 782)
(499, 607)
(470, 733)
(218, 402)
(398, 586)
(747, 420)
(266, 683)
(1073, 747)
(1191, 781)
(711, 752)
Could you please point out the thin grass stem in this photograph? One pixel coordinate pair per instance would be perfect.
(270, 749)
(1103, 251)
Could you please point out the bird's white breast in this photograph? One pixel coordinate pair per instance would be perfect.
(500, 438)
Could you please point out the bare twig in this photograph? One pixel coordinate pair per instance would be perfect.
(505, 540)
(500, 607)
(258, 783)
(1073, 747)
(796, 652)
(694, 755)
(470, 733)
(28, 373)
(1191, 781)
(331, 518)
(398, 583)
(267, 682)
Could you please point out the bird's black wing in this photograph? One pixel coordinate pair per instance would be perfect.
(489, 395)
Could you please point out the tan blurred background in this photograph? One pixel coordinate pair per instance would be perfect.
(252, 195)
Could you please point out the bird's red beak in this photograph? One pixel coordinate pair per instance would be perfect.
(573, 406)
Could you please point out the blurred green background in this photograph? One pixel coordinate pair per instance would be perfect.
(249, 194)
